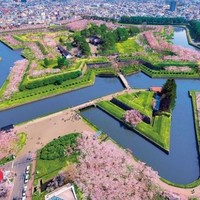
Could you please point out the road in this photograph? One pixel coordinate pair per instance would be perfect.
(19, 167)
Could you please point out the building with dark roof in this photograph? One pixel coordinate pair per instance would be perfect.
(95, 40)
(64, 52)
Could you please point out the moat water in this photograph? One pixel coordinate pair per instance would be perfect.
(180, 166)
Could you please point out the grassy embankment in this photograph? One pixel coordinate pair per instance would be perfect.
(28, 96)
(167, 74)
(141, 101)
(130, 69)
(158, 133)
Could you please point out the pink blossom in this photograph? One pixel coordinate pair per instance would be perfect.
(108, 172)
(15, 77)
(36, 50)
(8, 141)
(10, 40)
(37, 73)
(133, 117)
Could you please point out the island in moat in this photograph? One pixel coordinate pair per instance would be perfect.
(58, 61)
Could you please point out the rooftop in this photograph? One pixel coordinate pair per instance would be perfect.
(156, 89)
(64, 193)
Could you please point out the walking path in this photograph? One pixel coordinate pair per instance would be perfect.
(124, 81)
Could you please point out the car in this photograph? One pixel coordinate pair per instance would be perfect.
(25, 187)
(23, 193)
(27, 170)
(26, 178)
(25, 181)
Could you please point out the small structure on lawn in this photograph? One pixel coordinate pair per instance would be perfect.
(97, 134)
(64, 52)
(66, 192)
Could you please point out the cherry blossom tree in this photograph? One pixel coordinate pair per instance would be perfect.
(10, 40)
(105, 171)
(15, 77)
(8, 141)
(133, 117)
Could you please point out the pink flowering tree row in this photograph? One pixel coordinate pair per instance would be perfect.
(133, 117)
(83, 23)
(8, 141)
(10, 40)
(33, 72)
(169, 30)
(50, 41)
(159, 44)
(183, 54)
(178, 69)
(153, 43)
(106, 171)
(37, 73)
(36, 50)
(15, 77)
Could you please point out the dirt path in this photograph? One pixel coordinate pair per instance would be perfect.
(43, 130)
(114, 62)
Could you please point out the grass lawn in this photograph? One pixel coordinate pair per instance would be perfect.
(52, 64)
(104, 71)
(195, 113)
(158, 133)
(96, 60)
(141, 101)
(129, 69)
(127, 47)
(22, 141)
(51, 158)
(112, 109)
(39, 196)
(47, 169)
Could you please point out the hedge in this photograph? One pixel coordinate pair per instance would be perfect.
(56, 79)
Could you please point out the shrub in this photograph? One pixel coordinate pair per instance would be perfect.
(56, 148)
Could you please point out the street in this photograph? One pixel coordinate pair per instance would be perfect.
(19, 167)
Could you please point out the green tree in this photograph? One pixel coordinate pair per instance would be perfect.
(85, 32)
(45, 62)
(62, 62)
(121, 34)
(61, 40)
(108, 41)
(103, 28)
(168, 96)
(133, 31)
(82, 44)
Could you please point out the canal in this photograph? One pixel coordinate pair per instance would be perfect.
(180, 166)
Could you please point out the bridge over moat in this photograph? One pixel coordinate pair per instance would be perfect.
(105, 98)
(124, 81)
